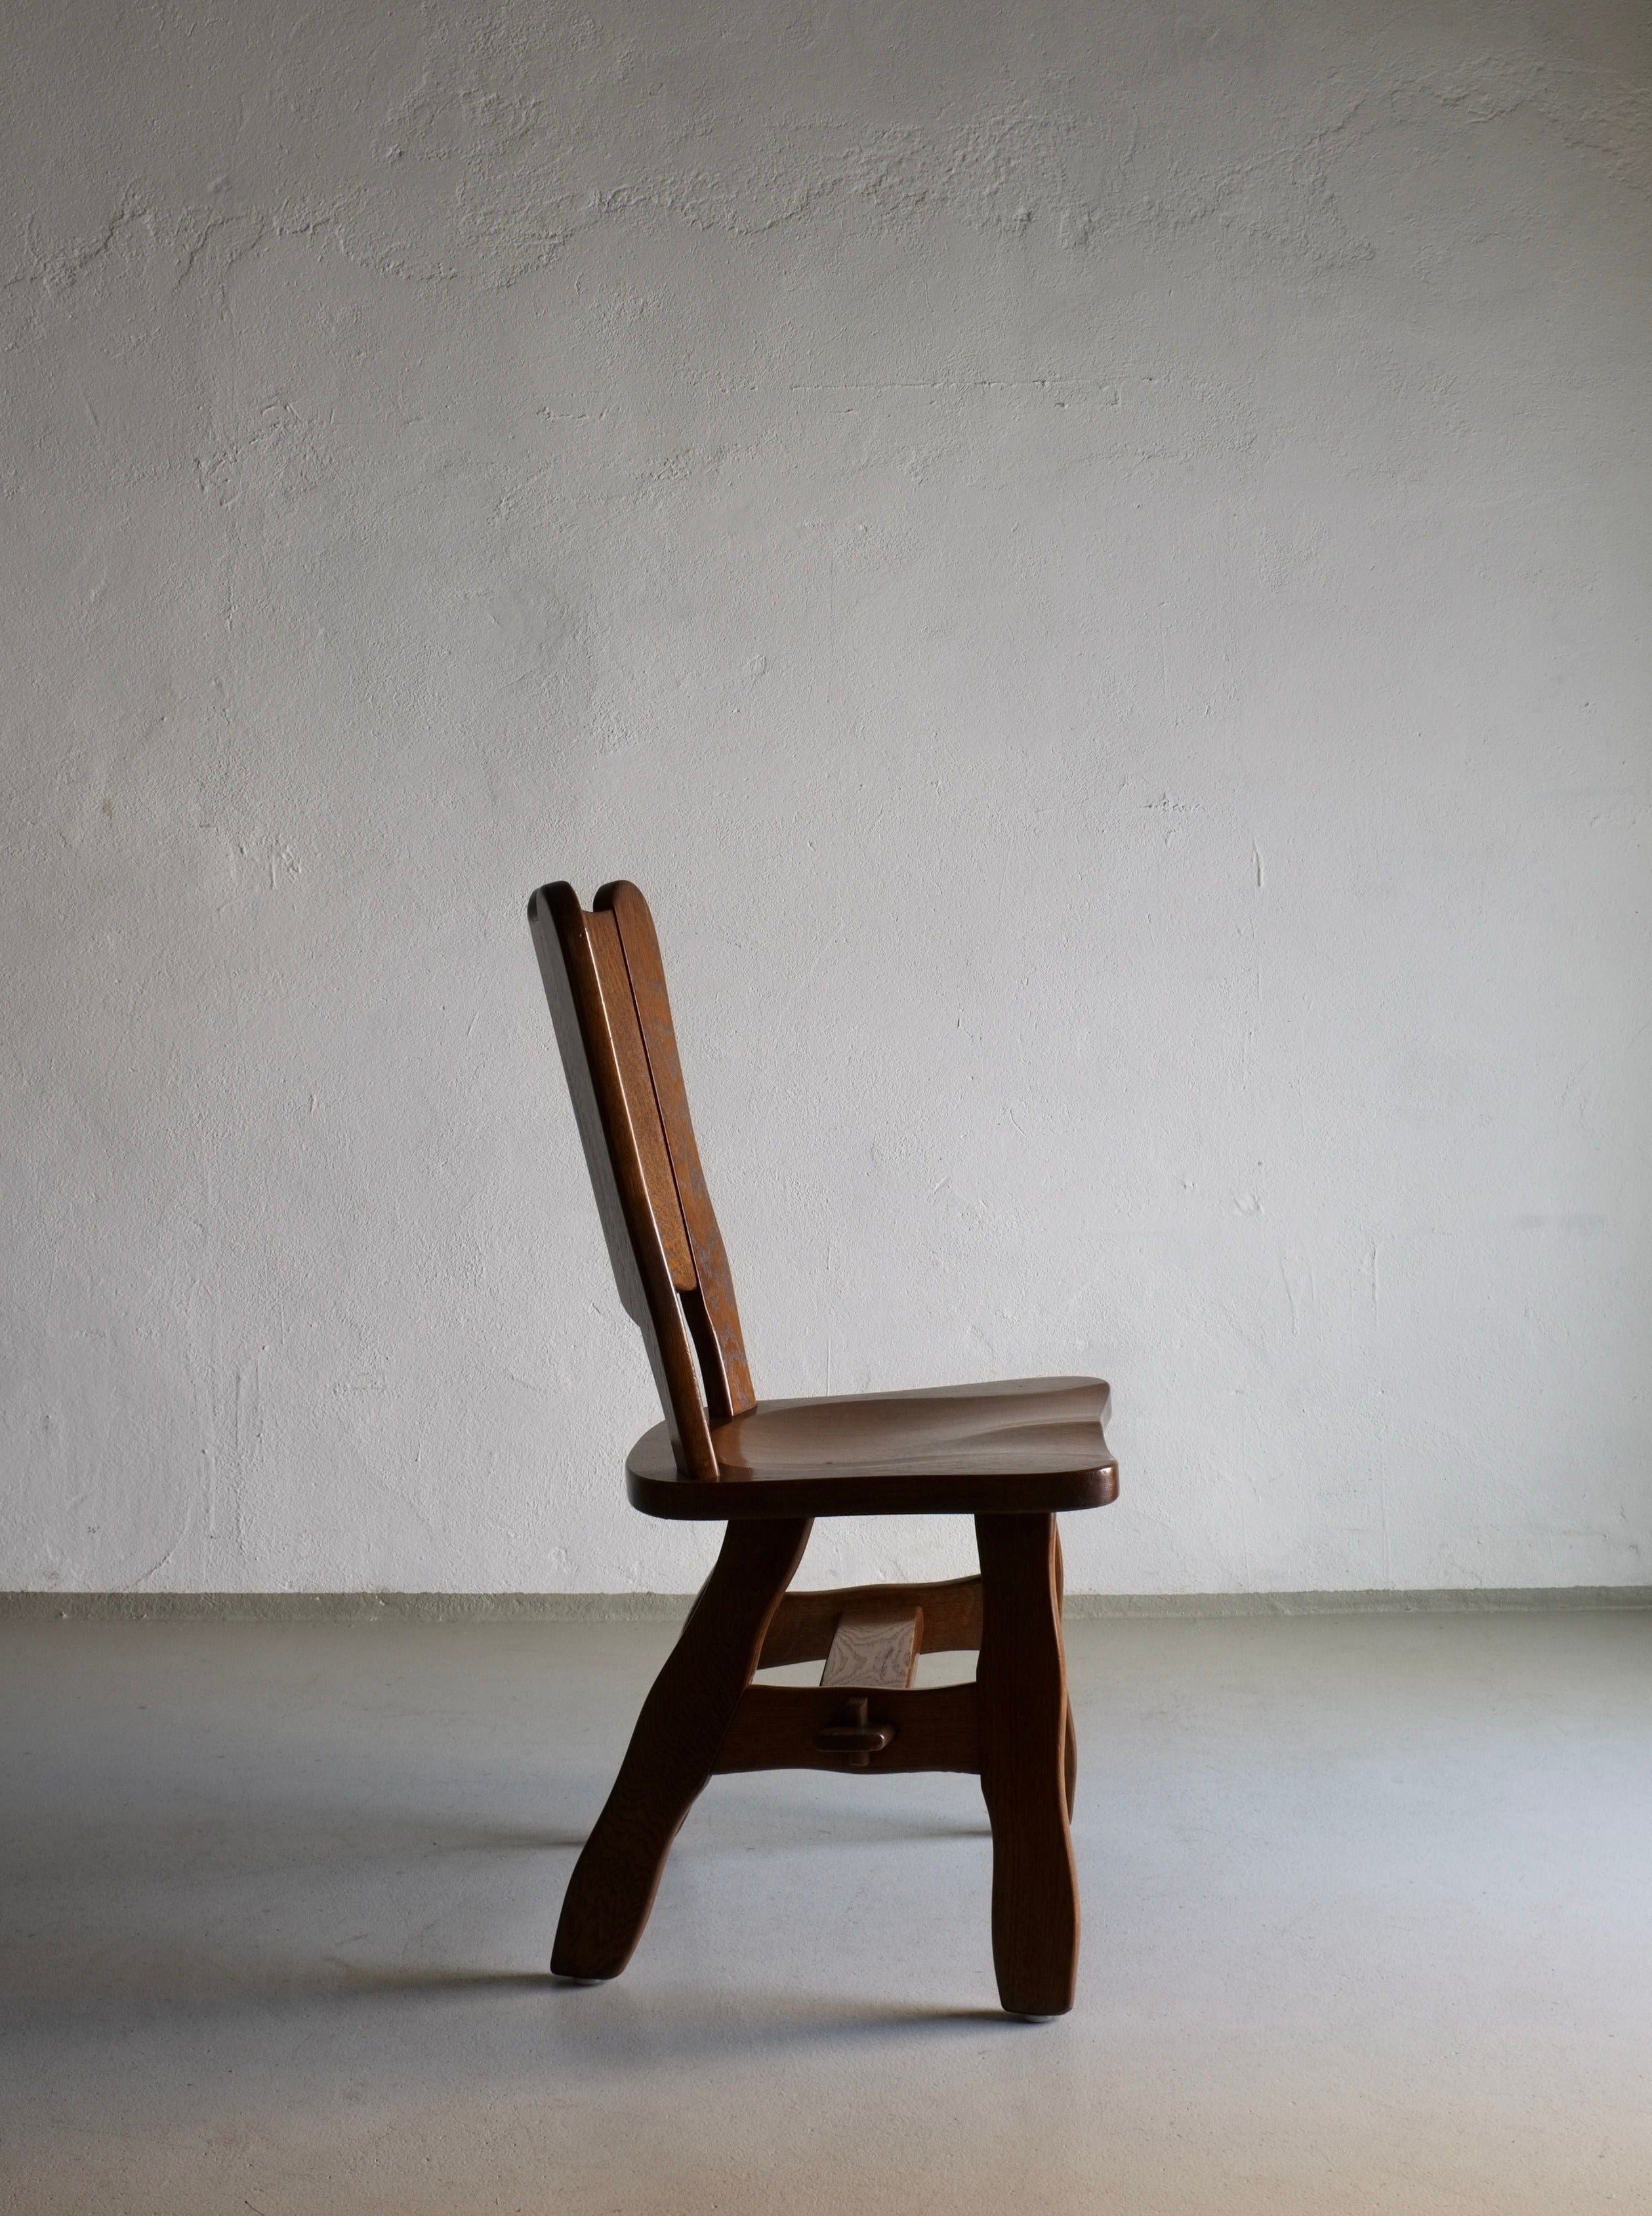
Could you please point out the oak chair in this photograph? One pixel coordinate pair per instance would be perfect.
(1009, 1454)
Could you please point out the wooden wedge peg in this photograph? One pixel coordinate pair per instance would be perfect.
(856, 1740)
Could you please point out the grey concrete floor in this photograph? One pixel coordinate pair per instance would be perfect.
(1368, 1926)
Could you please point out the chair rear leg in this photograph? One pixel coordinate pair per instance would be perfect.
(1022, 1692)
(674, 1748)
(1069, 1744)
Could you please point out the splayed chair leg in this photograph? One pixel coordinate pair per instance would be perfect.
(1023, 1716)
(674, 1748)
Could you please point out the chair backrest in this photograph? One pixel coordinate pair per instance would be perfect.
(607, 988)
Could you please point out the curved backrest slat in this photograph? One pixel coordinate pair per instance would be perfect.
(721, 1343)
(637, 1085)
(615, 1157)
(606, 987)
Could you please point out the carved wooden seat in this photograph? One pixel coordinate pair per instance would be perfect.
(1009, 1454)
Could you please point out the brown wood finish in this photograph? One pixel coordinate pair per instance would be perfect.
(674, 1749)
(723, 1348)
(1028, 1443)
(648, 1133)
(637, 1247)
(778, 1727)
(875, 1645)
(1011, 1455)
(806, 1623)
(1069, 1744)
(1022, 1684)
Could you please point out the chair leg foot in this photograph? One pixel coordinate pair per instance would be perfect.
(1024, 1736)
(674, 1749)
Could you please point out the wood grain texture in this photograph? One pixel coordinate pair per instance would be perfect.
(675, 1748)
(1022, 1687)
(642, 1267)
(722, 1344)
(1034, 1444)
(776, 1727)
(874, 1645)
(647, 1129)
(805, 1622)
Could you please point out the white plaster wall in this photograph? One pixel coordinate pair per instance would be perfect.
(1094, 561)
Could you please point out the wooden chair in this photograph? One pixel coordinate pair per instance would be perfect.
(1009, 1454)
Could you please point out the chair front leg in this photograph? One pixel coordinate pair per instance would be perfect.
(674, 1748)
(1021, 1694)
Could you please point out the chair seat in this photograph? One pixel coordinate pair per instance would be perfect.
(1032, 1445)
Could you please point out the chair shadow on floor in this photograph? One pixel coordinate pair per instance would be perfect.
(617, 2028)
(163, 1912)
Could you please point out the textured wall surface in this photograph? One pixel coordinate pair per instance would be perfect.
(1096, 562)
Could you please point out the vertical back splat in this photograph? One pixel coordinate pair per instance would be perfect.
(588, 989)
(713, 1316)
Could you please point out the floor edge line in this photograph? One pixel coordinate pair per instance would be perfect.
(39, 1605)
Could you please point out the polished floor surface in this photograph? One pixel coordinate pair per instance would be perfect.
(1368, 1926)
